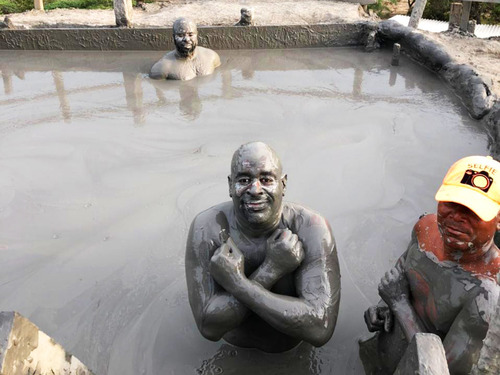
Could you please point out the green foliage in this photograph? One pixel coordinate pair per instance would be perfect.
(80, 4)
(380, 7)
(15, 6)
(6, 6)
(437, 10)
(485, 13)
(18, 6)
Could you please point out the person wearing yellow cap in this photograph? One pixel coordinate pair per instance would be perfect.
(447, 281)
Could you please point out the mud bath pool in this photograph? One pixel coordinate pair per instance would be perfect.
(103, 169)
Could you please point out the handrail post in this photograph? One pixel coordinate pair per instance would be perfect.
(39, 4)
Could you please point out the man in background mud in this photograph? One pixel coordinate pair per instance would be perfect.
(447, 282)
(187, 60)
(262, 273)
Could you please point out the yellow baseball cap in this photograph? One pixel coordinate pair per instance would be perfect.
(474, 182)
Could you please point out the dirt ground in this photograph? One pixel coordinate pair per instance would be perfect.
(482, 54)
(203, 12)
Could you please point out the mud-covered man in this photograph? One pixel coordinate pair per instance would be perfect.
(187, 60)
(447, 282)
(262, 273)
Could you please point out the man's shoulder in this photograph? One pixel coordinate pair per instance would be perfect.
(427, 222)
(213, 214)
(427, 236)
(162, 67)
(170, 55)
(207, 54)
(303, 217)
(206, 51)
(210, 224)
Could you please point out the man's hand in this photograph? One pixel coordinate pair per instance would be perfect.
(227, 265)
(393, 287)
(378, 318)
(284, 251)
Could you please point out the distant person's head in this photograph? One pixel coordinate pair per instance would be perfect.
(185, 36)
(469, 204)
(246, 15)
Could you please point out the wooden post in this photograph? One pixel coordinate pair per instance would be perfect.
(39, 4)
(464, 21)
(396, 50)
(416, 13)
(123, 12)
(455, 14)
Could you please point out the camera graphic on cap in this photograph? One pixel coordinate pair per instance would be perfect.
(480, 180)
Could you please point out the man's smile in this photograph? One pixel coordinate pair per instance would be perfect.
(259, 205)
(455, 231)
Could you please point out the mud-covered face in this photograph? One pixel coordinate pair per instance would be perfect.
(185, 38)
(462, 229)
(256, 185)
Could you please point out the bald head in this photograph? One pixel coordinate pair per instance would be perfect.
(257, 154)
(183, 23)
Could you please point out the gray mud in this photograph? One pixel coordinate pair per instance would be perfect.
(103, 169)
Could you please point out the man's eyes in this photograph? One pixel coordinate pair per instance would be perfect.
(262, 180)
(266, 180)
(244, 180)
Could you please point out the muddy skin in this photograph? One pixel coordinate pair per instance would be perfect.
(443, 286)
(262, 273)
(187, 60)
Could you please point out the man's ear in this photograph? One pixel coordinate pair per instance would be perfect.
(284, 180)
(229, 182)
(498, 221)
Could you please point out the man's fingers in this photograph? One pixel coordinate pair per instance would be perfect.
(293, 239)
(300, 250)
(230, 243)
(277, 233)
(219, 250)
(388, 321)
(285, 235)
(394, 272)
(366, 315)
(371, 319)
(223, 235)
(399, 267)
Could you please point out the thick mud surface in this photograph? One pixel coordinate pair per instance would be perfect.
(103, 169)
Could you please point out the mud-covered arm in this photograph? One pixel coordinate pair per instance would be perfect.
(216, 312)
(380, 317)
(464, 340)
(312, 315)
(395, 291)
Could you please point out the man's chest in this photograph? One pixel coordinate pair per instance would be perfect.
(438, 291)
(254, 253)
(186, 70)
